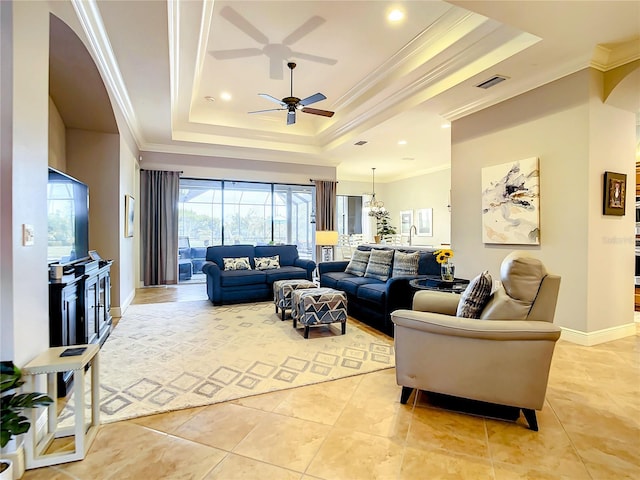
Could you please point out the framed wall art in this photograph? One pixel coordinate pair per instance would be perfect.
(614, 193)
(129, 209)
(425, 222)
(406, 220)
(511, 203)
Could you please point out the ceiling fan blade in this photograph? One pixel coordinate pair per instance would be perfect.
(315, 111)
(237, 53)
(314, 58)
(268, 110)
(312, 99)
(273, 99)
(291, 117)
(304, 29)
(243, 24)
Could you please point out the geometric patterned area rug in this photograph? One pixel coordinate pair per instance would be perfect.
(170, 356)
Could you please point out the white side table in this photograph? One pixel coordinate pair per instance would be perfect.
(50, 363)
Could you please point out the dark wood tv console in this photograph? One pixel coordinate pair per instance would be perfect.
(79, 310)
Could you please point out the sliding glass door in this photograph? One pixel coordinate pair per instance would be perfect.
(200, 213)
(247, 213)
(213, 212)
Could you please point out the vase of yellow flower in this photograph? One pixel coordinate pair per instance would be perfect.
(447, 268)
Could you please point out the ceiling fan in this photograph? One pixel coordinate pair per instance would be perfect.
(291, 103)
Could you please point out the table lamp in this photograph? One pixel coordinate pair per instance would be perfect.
(326, 239)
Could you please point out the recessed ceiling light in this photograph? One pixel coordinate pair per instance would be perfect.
(209, 98)
(225, 96)
(395, 15)
(402, 142)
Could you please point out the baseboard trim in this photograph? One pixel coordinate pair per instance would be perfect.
(589, 339)
(118, 311)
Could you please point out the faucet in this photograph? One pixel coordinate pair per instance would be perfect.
(412, 229)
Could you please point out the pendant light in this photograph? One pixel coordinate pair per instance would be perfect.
(375, 206)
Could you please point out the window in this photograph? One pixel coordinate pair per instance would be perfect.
(248, 212)
(214, 212)
(200, 212)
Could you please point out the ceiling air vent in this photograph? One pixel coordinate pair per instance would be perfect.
(492, 81)
(360, 143)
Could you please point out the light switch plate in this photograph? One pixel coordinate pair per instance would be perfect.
(27, 235)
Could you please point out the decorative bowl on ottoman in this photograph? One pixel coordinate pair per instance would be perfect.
(283, 290)
(319, 306)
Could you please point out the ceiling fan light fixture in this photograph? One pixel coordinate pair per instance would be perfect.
(291, 103)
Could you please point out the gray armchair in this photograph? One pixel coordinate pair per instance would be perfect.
(502, 358)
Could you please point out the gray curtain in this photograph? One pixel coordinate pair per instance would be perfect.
(325, 204)
(159, 225)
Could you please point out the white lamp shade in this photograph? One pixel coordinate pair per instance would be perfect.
(326, 237)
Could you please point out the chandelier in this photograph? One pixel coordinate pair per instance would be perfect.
(374, 206)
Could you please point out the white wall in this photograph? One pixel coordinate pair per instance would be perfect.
(558, 123)
(129, 271)
(611, 248)
(30, 309)
(6, 180)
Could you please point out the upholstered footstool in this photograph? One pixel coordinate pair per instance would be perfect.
(319, 306)
(282, 290)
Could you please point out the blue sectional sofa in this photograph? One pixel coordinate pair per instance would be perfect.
(244, 285)
(371, 300)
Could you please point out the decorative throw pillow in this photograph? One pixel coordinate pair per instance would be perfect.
(358, 263)
(380, 263)
(405, 264)
(267, 263)
(239, 263)
(475, 296)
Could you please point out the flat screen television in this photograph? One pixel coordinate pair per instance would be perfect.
(68, 218)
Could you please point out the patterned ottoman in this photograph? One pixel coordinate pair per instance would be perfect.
(282, 290)
(319, 306)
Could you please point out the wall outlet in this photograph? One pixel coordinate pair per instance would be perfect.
(28, 237)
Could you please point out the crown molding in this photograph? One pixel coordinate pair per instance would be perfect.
(607, 58)
(89, 16)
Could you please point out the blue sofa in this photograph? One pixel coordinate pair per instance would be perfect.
(237, 286)
(371, 300)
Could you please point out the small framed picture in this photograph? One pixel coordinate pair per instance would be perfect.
(425, 222)
(614, 193)
(129, 210)
(406, 220)
(93, 255)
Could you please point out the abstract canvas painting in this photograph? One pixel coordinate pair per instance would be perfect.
(511, 203)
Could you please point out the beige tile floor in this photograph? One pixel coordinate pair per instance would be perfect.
(355, 428)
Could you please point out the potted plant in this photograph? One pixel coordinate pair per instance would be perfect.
(12, 404)
(383, 225)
